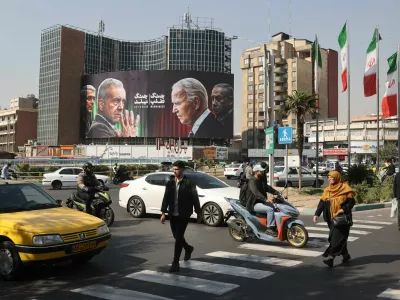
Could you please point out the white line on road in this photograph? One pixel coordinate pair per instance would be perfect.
(324, 235)
(193, 283)
(225, 269)
(327, 229)
(256, 259)
(357, 226)
(372, 222)
(112, 293)
(390, 294)
(286, 250)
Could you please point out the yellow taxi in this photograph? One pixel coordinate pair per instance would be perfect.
(34, 228)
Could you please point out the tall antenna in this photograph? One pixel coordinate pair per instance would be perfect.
(188, 19)
(290, 17)
(101, 32)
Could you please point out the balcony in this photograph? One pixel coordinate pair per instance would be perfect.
(280, 60)
(280, 89)
(280, 98)
(280, 79)
(279, 70)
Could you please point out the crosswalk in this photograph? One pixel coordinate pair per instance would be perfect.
(203, 274)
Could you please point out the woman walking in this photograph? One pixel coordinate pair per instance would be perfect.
(339, 197)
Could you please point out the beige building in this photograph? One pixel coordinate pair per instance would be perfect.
(292, 71)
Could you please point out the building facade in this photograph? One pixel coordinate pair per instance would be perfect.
(292, 71)
(67, 53)
(18, 123)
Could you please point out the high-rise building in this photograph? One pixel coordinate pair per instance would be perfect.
(292, 71)
(67, 53)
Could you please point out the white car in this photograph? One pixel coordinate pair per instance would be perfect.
(234, 170)
(145, 195)
(67, 177)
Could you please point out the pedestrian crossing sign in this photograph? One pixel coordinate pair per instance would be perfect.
(285, 135)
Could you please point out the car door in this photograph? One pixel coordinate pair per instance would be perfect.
(293, 176)
(153, 191)
(67, 177)
(308, 179)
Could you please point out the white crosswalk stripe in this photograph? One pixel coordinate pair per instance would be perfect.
(358, 226)
(372, 222)
(225, 269)
(281, 262)
(390, 294)
(193, 283)
(323, 235)
(112, 293)
(362, 232)
(285, 250)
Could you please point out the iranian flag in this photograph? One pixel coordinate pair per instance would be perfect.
(317, 64)
(370, 69)
(344, 50)
(389, 102)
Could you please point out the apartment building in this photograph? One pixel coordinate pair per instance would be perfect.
(18, 124)
(292, 71)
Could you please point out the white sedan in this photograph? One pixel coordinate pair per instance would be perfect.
(234, 170)
(145, 195)
(67, 177)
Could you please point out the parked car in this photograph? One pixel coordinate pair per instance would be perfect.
(35, 229)
(145, 195)
(66, 177)
(308, 179)
(234, 170)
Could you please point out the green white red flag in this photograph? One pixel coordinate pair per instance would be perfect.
(344, 51)
(370, 68)
(317, 65)
(389, 102)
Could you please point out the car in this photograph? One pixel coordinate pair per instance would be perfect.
(233, 170)
(67, 176)
(145, 195)
(36, 229)
(308, 179)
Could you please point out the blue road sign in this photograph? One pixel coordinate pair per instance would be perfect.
(285, 135)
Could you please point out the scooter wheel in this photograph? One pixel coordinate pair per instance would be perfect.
(297, 236)
(238, 236)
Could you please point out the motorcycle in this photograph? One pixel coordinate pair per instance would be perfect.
(101, 205)
(246, 225)
(121, 176)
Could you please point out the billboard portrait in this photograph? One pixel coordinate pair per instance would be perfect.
(157, 104)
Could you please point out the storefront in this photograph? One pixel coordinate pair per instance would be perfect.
(364, 149)
(335, 151)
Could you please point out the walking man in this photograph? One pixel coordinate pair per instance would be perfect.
(179, 198)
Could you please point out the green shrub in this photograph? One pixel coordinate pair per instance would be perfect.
(52, 169)
(357, 174)
(361, 191)
(36, 171)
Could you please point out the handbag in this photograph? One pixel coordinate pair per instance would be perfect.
(342, 220)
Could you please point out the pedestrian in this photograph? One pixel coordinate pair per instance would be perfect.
(179, 199)
(341, 201)
(396, 197)
(4, 171)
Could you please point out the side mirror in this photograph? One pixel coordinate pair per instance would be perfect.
(59, 202)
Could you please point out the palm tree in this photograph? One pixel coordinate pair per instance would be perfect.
(299, 104)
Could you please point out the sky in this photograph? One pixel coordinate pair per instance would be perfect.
(22, 21)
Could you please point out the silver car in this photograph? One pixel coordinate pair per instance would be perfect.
(308, 179)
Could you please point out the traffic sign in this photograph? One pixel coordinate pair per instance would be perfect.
(269, 140)
(285, 135)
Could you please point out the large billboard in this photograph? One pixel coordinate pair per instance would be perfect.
(157, 104)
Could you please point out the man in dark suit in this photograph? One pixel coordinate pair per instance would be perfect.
(190, 104)
(179, 199)
(222, 105)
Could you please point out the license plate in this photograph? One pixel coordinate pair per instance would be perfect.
(84, 247)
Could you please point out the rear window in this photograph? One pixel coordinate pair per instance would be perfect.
(234, 166)
(205, 181)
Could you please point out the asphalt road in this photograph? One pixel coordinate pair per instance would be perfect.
(136, 261)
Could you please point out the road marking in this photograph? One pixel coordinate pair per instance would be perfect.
(225, 269)
(286, 250)
(327, 229)
(112, 293)
(372, 222)
(256, 259)
(357, 226)
(193, 283)
(323, 235)
(390, 294)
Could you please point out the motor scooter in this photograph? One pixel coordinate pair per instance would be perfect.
(245, 224)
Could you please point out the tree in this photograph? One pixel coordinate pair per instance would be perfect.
(299, 104)
(387, 152)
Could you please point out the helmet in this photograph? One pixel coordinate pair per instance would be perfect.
(88, 168)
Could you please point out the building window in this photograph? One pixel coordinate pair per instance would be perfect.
(260, 59)
(294, 64)
(260, 123)
(251, 78)
(250, 106)
(246, 61)
(260, 69)
(294, 122)
(294, 74)
(250, 115)
(249, 124)
(250, 97)
(261, 86)
(261, 105)
(260, 77)
(250, 87)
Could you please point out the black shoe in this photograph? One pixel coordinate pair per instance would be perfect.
(271, 231)
(346, 258)
(174, 267)
(188, 253)
(328, 262)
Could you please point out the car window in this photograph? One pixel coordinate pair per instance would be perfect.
(235, 166)
(304, 171)
(66, 172)
(292, 171)
(279, 169)
(205, 181)
(77, 171)
(157, 179)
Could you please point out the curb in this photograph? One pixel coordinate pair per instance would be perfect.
(359, 207)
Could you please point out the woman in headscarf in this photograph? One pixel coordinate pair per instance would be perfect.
(337, 199)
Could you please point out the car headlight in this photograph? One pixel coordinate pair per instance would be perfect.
(103, 229)
(47, 239)
(230, 199)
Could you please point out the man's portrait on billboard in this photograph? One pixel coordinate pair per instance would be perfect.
(222, 105)
(88, 97)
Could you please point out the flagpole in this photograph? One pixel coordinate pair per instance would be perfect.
(377, 95)
(317, 108)
(348, 95)
(398, 105)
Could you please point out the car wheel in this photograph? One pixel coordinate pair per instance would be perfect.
(56, 185)
(10, 263)
(289, 184)
(136, 207)
(212, 214)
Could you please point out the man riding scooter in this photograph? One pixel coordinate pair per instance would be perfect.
(256, 198)
(86, 186)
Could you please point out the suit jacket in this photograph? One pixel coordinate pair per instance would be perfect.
(227, 122)
(210, 128)
(187, 198)
(101, 129)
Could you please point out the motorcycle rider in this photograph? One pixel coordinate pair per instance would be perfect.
(87, 183)
(257, 200)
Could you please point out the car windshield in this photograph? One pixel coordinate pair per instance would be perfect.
(205, 181)
(235, 166)
(278, 169)
(23, 197)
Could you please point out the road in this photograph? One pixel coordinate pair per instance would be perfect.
(136, 261)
